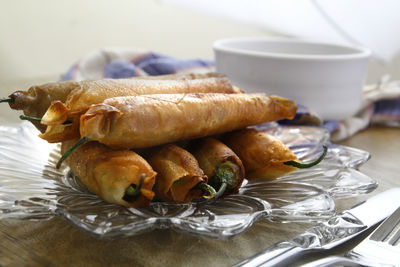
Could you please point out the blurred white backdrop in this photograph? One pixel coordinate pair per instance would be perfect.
(42, 38)
(371, 23)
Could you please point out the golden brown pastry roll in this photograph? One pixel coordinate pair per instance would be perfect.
(117, 176)
(178, 174)
(37, 99)
(94, 92)
(150, 120)
(262, 154)
(222, 166)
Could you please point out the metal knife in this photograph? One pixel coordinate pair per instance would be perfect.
(327, 235)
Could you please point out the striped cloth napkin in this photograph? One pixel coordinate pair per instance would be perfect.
(381, 102)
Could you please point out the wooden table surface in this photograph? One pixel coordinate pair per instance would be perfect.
(56, 242)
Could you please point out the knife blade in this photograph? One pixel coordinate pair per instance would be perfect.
(327, 235)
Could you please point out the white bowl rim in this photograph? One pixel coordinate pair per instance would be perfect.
(221, 45)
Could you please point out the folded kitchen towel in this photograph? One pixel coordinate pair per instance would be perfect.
(381, 102)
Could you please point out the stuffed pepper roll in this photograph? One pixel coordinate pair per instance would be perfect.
(222, 166)
(36, 100)
(60, 116)
(179, 177)
(263, 155)
(117, 176)
(94, 92)
(150, 120)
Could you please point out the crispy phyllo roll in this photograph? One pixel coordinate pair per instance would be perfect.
(222, 166)
(93, 92)
(117, 176)
(37, 99)
(179, 177)
(150, 120)
(263, 155)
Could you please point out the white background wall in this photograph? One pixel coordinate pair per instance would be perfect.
(42, 38)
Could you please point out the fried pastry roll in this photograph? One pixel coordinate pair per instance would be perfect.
(95, 92)
(150, 120)
(117, 176)
(263, 155)
(179, 177)
(222, 166)
(36, 100)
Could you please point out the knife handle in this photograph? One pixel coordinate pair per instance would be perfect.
(333, 261)
(273, 256)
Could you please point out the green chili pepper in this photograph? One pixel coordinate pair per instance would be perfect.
(221, 190)
(71, 149)
(132, 193)
(208, 189)
(307, 165)
(226, 178)
(205, 188)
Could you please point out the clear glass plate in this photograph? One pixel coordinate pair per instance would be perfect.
(32, 188)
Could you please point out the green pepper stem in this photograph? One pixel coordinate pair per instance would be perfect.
(226, 178)
(70, 150)
(9, 100)
(132, 193)
(207, 189)
(307, 165)
(213, 194)
(28, 118)
(221, 190)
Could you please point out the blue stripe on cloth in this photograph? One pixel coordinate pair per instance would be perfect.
(387, 107)
(147, 57)
(168, 65)
(118, 68)
(70, 73)
(331, 125)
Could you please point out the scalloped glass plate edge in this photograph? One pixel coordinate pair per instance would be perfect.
(31, 188)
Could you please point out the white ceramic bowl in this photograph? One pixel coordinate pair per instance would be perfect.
(327, 78)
